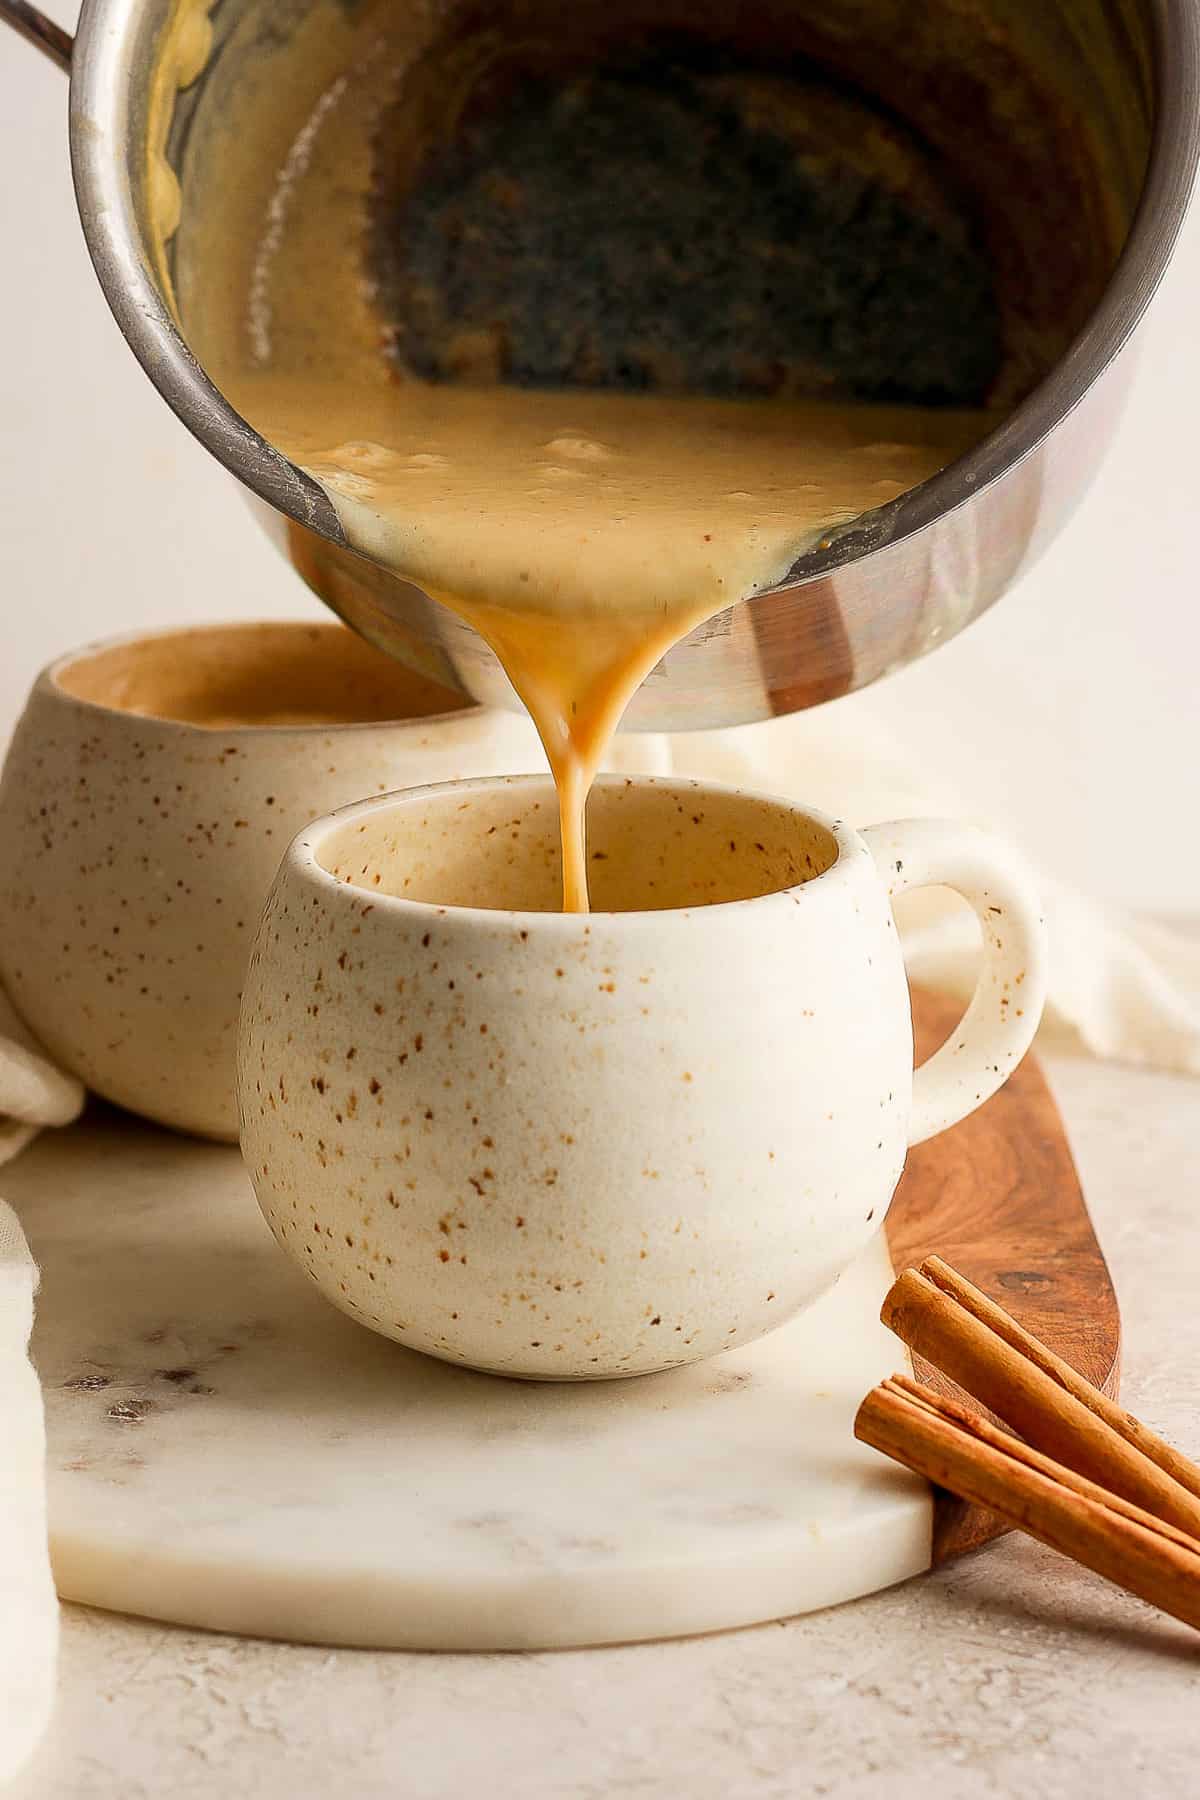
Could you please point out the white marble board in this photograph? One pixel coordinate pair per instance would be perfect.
(226, 1450)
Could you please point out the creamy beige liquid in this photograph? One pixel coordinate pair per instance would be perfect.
(582, 533)
(226, 677)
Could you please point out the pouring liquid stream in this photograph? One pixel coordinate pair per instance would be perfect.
(583, 536)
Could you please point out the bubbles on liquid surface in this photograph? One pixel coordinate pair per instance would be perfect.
(343, 481)
(581, 449)
(364, 454)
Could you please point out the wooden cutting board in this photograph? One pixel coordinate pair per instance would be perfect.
(999, 1198)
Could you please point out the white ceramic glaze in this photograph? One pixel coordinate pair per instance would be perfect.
(560, 1146)
(224, 1449)
(138, 850)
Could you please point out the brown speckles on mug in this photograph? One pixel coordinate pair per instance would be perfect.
(130, 892)
(129, 1412)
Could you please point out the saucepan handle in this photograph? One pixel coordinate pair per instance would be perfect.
(34, 26)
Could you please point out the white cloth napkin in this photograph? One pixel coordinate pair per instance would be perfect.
(32, 1093)
(28, 1606)
(1120, 987)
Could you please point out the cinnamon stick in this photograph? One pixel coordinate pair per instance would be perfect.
(1051, 1502)
(960, 1331)
(1170, 1460)
(945, 1406)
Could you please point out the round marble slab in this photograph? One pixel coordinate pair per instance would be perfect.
(226, 1450)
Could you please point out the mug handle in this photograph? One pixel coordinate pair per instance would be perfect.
(998, 1026)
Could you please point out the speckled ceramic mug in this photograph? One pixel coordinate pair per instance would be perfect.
(150, 790)
(571, 1147)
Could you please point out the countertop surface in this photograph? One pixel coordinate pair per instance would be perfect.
(1011, 1673)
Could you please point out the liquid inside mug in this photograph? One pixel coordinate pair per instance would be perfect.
(572, 1147)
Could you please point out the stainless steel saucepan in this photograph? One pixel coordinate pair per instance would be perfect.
(1072, 127)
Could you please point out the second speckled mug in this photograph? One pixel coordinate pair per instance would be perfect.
(150, 790)
(573, 1147)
